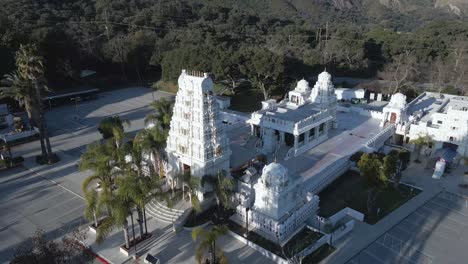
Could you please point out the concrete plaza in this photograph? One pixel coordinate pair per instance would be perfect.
(50, 197)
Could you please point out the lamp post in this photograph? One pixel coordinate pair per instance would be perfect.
(247, 209)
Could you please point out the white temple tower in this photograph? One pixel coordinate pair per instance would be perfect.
(323, 94)
(197, 143)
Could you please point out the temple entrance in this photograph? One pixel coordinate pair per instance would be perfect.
(393, 118)
(289, 139)
(185, 168)
(256, 131)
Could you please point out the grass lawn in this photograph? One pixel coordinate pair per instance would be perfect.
(301, 240)
(318, 255)
(350, 190)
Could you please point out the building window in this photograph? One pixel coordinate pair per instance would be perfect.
(184, 131)
(451, 139)
(187, 116)
(301, 138)
(439, 122)
(454, 128)
(183, 149)
(312, 133)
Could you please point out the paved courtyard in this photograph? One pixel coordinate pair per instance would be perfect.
(50, 197)
(435, 233)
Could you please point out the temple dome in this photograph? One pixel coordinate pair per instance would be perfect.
(303, 85)
(324, 77)
(275, 175)
(398, 100)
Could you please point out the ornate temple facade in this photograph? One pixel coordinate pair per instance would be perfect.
(299, 122)
(277, 205)
(197, 143)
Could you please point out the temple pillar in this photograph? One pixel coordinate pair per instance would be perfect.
(296, 142)
(306, 136)
(281, 137)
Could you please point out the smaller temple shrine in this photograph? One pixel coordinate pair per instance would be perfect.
(277, 205)
(298, 123)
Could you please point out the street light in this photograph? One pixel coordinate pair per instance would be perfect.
(247, 209)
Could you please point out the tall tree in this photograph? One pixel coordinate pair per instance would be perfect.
(400, 72)
(22, 90)
(30, 67)
(153, 141)
(191, 185)
(207, 242)
(223, 187)
(420, 142)
(370, 167)
(264, 69)
(161, 115)
(390, 166)
(98, 188)
(227, 67)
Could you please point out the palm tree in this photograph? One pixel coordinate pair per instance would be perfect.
(138, 188)
(100, 159)
(153, 141)
(208, 240)
(223, 188)
(420, 142)
(22, 90)
(120, 208)
(191, 185)
(30, 67)
(161, 117)
(113, 127)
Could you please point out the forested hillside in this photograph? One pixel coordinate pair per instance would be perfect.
(271, 43)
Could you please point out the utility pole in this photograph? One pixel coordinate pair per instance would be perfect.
(106, 25)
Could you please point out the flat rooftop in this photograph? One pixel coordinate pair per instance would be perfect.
(353, 132)
(431, 103)
(290, 112)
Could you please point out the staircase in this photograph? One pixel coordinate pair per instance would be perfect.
(165, 214)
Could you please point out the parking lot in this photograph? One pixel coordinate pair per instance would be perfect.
(435, 233)
(49, 197)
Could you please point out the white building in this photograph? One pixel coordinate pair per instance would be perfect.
(441, 117)
(197, 143)
(277, 205)
(347, 94)
(299, 122)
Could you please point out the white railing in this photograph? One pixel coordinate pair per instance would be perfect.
(378, 140)
(329, 238)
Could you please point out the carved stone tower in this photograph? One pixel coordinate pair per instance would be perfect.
(197, 143)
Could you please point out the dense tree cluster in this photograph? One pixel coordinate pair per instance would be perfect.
(141, 39)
